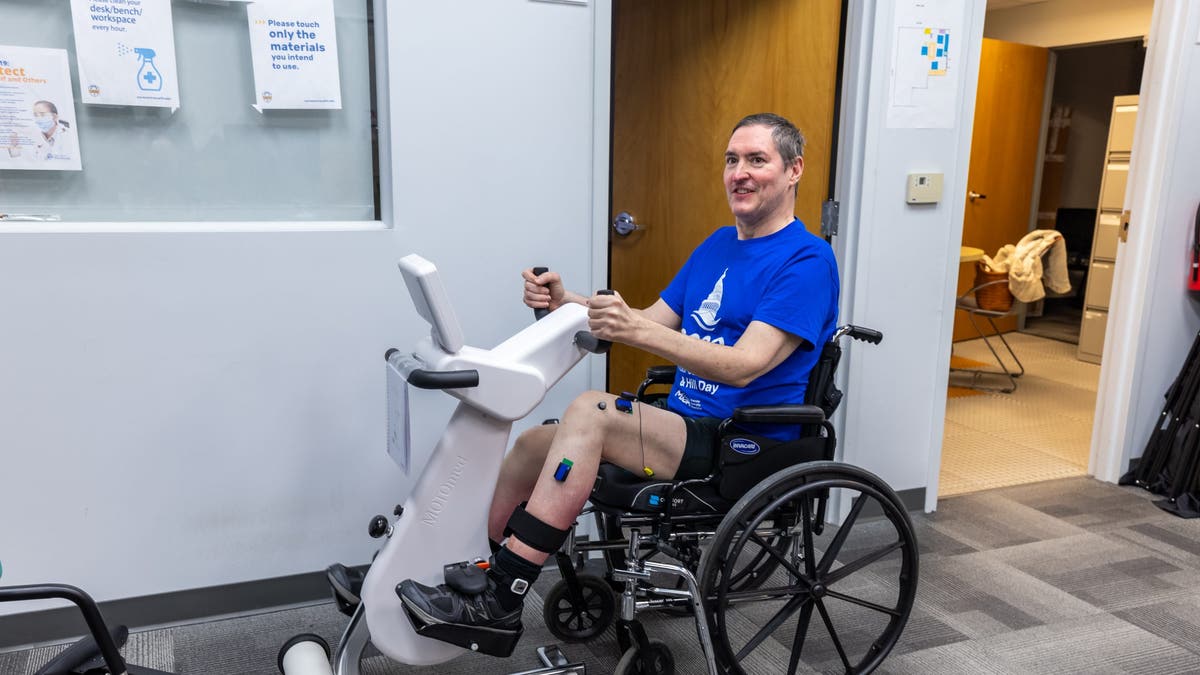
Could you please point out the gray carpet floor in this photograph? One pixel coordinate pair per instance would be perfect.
(1065, 576)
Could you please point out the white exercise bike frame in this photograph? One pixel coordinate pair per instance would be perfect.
(444, 519)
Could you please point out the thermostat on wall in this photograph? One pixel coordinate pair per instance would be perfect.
(924, 188)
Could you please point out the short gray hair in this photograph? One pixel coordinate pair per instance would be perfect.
(789, 141)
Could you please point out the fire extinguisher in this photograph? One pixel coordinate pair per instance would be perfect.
(1194, 273)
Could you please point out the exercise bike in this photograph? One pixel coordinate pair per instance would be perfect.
(444, 518)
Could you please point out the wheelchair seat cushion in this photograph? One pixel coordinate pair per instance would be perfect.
(621, 490)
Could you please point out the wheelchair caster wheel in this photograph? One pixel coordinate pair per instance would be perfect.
(656, 661)
(570, 621)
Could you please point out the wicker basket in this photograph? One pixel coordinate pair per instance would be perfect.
(994, 298)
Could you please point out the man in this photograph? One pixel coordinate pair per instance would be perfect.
(761, 296)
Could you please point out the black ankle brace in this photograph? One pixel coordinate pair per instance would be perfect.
(513, 576)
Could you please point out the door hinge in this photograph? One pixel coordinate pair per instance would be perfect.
(830, 211)
(1123, 234)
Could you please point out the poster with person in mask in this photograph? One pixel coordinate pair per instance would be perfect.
(37, 111)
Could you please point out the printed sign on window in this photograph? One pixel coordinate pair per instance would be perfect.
(37, 111)
(293, 45)
(126, 52)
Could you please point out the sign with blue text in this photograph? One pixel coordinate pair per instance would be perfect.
(125, 50)
(293, 45)
(37, 111)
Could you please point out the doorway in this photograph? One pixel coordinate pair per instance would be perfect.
(1042, 429)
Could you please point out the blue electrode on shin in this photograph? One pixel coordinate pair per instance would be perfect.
(563, 470)
(624, 405)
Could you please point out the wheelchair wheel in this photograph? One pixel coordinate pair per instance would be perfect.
(838, 599)
(572, 622)
(659, 659)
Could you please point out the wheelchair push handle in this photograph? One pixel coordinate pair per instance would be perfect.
(859, 333)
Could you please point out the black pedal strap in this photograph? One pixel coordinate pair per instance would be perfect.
(535, 532)
(465, 577)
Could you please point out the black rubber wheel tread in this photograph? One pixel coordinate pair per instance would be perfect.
(630, 663)
(759, 504)
(575, 624)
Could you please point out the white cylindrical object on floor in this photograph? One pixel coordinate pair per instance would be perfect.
(305, 655)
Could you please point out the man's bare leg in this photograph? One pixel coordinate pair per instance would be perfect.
(518, 475)
(587, 435)
(593, 428)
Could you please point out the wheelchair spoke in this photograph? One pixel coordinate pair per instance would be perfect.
(837, 643)
(835, 546)
(810, 553)
(782, 615)
(773, 593)
(798, 640)
(863, 603)
(787, 564)
(850, 568)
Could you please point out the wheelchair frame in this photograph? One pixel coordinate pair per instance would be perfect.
(793, 500)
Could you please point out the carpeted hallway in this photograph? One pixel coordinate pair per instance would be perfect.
(1064, 576)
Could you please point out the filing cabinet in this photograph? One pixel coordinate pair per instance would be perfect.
(1108, 225)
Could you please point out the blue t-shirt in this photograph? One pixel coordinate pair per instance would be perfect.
(788, 280)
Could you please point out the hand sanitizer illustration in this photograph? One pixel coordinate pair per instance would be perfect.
(148, 77)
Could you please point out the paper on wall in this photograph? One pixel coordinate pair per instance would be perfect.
(293, 46)
(37, 111)
(926, 64)
(125, 50)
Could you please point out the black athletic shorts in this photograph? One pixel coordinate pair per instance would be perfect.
(700, 450)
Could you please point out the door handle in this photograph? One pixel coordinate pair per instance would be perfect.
(973, 195)
(624, 224)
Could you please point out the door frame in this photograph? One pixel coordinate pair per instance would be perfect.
(602, 47)
(1160, 111)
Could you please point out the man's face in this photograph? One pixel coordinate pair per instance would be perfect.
(757, 183)
(43, 117)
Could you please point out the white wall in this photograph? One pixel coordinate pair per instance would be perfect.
(1070, 22)
(185, 409)
(899, 262)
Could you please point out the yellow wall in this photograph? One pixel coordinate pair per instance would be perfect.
(1057, 23)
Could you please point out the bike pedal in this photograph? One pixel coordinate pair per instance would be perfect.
(346, 585)
(490, 641)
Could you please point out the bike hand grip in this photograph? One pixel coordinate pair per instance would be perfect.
(601, 346)
(540, 311)
(591, 343)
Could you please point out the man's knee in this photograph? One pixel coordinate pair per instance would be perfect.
(591, 408)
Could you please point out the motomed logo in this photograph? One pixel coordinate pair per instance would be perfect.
(744, 446)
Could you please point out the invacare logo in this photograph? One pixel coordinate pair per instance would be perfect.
(744, 446)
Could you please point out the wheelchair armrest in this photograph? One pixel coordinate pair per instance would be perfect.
(660, 375)
(779, 414)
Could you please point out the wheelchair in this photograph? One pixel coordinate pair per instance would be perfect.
(769, 583)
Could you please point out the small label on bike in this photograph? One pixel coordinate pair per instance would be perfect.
(744, 446)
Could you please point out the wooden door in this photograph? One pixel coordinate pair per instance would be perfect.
(684, 73)
(1004, 149)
